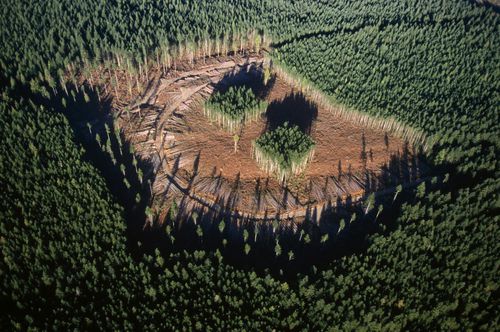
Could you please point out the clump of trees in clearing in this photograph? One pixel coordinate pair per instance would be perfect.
(234, 108)
(284, 151)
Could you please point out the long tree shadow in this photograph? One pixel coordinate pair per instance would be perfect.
(128, 176)
(402, 168)
(295, 109)
(250, 76)
(287, 248)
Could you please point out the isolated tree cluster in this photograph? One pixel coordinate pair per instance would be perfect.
(235, 107)
(284, 151)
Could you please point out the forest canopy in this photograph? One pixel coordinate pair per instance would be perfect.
(67, 259)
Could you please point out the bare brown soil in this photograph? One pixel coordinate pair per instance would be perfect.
(195, 161)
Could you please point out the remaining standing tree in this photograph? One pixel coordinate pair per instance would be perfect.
(277, 248)
(379, 211)
(341, 225)
(370, 201)
(194, 217)
(236, 139)
(324, 238)
(149, 215)
(399, 188)
(222, 226)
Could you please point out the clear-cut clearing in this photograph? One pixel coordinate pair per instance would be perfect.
(195, 163)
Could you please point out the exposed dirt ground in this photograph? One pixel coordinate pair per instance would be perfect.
(196, 165)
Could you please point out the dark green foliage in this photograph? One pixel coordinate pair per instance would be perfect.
(64, 262)
(436, 75)
(63, 242)
(437, 271)
(234, 107)
(284, 151)
(431, 64)
(132, 29)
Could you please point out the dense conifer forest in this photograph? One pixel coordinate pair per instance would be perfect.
(428, 259)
